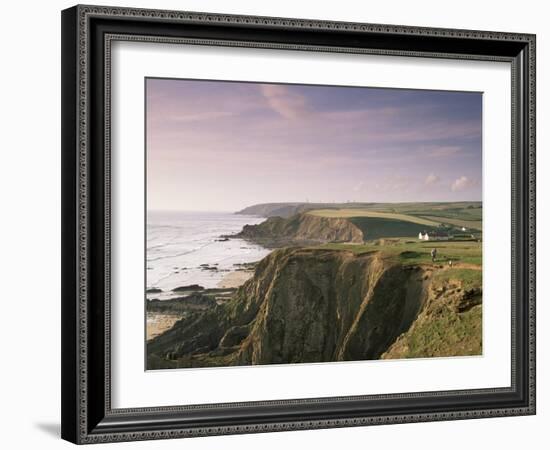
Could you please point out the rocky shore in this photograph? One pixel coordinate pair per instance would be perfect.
(163, 314)
(314, 305)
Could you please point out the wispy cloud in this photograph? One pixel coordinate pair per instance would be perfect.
(297, 141)
(285, 101)
(198, 117)
(462, 183)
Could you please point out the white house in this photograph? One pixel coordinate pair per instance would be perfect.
(433, 236)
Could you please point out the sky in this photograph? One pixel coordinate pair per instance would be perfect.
(222, 146)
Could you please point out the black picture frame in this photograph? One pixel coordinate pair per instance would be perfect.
(87, 415)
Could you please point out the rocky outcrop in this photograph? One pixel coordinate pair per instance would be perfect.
(302, 305)
(448, 325)
(313, 305)
(191, 302)
(302, 229)
(188, 288)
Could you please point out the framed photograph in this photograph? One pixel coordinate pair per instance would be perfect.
(278, 224)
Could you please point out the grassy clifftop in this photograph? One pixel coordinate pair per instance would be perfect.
(450, 322)
(291, 224)
(315, 305)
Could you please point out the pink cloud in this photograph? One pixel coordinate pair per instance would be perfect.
(282, 100)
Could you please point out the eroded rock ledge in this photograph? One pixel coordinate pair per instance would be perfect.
(302, 229)
(313, 305)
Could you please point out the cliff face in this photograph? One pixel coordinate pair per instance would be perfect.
(448, 324)
(306, 305)
(326, 306)
(302, 229)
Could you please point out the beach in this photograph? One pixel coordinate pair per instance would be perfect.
(159, 323)
(235, 279)
(186, 248)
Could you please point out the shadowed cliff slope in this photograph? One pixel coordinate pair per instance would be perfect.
(313, 305)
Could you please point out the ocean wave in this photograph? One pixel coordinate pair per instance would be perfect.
(177, 247)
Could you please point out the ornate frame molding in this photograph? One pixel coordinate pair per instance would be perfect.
(80, 423)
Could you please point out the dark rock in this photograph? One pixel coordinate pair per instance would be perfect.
(188, 288)
(234, 336)
(179, 305)
(299, 307)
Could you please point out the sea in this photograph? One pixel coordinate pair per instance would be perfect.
(186, 248)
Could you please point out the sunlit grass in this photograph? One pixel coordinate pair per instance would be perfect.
(411, 251)
(348, 213)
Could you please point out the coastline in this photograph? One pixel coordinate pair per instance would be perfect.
(185, 248)
(160, 322)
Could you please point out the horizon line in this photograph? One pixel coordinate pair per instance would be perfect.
(306, 203)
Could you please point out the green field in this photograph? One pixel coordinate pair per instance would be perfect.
(474, 224)
(412, 252)
(454, 215)
(470, 278)
(376, 228)
(376, 224)
(348, 213)
(460, 215)
(441, 209)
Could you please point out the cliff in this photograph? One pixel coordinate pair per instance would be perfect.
(312, 305)
(302, 229)
(449, 323)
